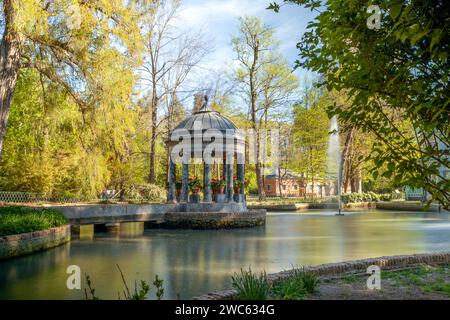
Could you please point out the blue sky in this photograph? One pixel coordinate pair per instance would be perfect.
(219, 19)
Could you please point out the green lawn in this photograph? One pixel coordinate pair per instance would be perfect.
(15, 220)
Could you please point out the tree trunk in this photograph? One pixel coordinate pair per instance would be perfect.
(312, 172)
(9, 67)
(259, 180)
(280, 181)
(154, 106)
(356, 181)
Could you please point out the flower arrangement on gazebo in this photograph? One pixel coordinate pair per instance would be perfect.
(195, 185)
(218, 185)
(178, 185)
(238, 184)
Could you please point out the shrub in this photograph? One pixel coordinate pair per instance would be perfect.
(310, 281)
(386, 197)
(16, 220)
(374, 197)
(249, 286)
(362, 197)
(290, 289)
(296, 286)
(147, 191)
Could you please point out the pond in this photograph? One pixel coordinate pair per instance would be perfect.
(195, 262)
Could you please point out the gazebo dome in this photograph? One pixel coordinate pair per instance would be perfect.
(208, 119)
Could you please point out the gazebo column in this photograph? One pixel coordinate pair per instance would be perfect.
(224, 167)
(185, 183)
(241, 178)
(229, 177)
(207, 197)
(172, 197)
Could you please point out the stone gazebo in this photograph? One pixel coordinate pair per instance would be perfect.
(209, 140)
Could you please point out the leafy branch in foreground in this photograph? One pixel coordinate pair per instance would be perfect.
(395, 79)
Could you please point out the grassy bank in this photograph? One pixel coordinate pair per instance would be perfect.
(418, 283)
(15, 220)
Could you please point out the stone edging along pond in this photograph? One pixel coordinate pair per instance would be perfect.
(214, 220)
(354, 266)
(26, 243)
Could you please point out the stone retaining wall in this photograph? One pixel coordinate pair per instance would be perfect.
(214, 220)
(25, 243)
(354, 266)
(405, 206)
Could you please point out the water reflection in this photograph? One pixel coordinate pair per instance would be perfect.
(131, 229)
(87, 232)
(193, 262)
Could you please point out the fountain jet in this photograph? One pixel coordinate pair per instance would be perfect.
(334, 165)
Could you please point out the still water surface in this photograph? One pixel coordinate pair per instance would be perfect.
(194, 262)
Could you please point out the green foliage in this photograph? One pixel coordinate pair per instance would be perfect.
(72, 125)
(366, 197)
(311, 134)
(438, 286)
(250, 286)
(266, 81)
(397, 74)
(359, 197)
(16, 220)
(139, 293)
(427, 278)
(49, 148)
(385, 197)
(296, 286)
(158, 283)
(194, 183)
(310, 281)
(90, 290)
(349, 279)
(290, 289)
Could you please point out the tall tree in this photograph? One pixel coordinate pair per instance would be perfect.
(265, 80)
(311, 134)
(68, 42)
(170, 56)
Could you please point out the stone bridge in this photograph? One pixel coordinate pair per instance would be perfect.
(114, 214)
